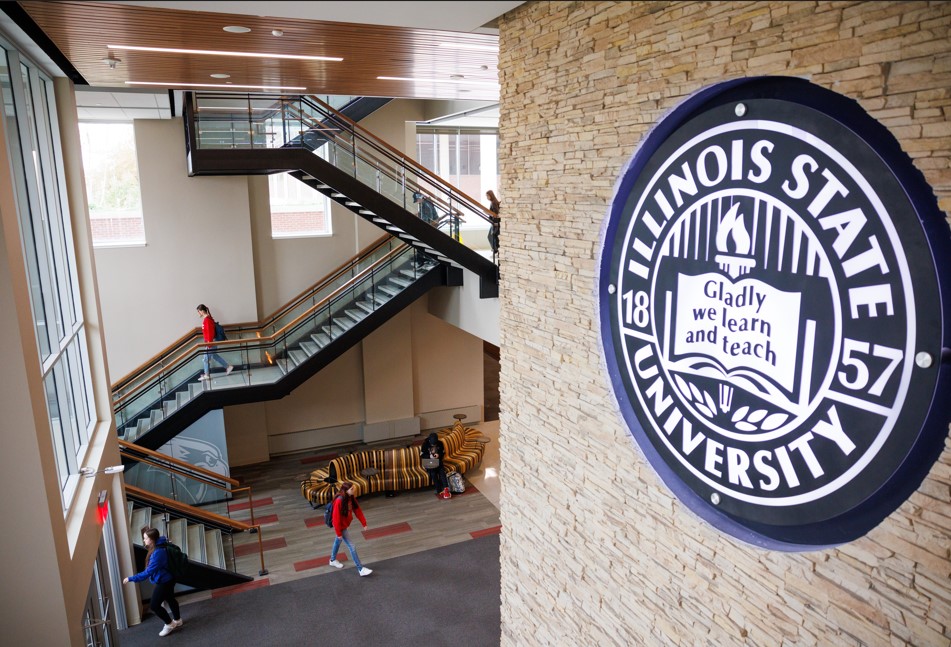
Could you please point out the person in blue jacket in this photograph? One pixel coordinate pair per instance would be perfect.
(157, 572)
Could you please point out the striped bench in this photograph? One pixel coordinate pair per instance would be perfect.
(397, 469)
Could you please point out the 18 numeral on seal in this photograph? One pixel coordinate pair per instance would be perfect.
(636, 308)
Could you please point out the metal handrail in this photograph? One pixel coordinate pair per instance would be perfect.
(267, 339)
(204, 515)
(339, 271)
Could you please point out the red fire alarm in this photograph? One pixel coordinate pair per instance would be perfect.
(102, 508)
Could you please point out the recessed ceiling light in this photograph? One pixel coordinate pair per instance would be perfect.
(220, 76)
(277, 32)
(215, 52)
(456, 76)
(175, 84)
(465, 81)
(472, 46)
(235, 29)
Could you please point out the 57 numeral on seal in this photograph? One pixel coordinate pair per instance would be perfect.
(636, 308)
(851, 349)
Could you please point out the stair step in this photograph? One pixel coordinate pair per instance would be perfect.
(366, 306)
(355, 314)
(298, 356)
(141, 427)
(182, 397)
(158, 522)
(169, 407)
(351, 203)
(343, 322)
(141, 517)
(337, 195)
(366, 212)
(320, 339)
(196, 542)
(155, 416)
(284, 365)
(388, 289)
(214, 550)
(195, 388)
(176, 533)
(309, 347)
(400, 281)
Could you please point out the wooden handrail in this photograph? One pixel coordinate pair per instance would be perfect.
(419, 169)
(269, 338)
(124, 444)
(253, 324)
(198, 513)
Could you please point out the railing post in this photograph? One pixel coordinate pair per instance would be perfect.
(263, 570)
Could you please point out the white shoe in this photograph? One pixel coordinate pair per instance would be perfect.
(230, 368)
(166, 630)
(204, 377)
(336, 563)
(365, 571)
(177, 623)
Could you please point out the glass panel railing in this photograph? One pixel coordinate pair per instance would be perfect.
(309, 122)
(299, 331)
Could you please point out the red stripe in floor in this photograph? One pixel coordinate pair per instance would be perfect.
(317, 459)
(385, 531)
(488, 531)
(245, 505)
(315, 521)
(317, 562)
(238, 588)
(267, 544)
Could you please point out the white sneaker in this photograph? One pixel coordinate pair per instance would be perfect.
(336, 563)
(166, 630)
(204, 377)
(177, 623)
(365, 571)
(230, 368)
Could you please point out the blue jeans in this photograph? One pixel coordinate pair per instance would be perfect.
(353, 551)
(215, 356)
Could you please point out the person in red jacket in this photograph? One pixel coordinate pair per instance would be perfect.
(345, 506)
(208, 333)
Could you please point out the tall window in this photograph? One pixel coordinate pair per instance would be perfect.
(465, 158)
(112, 184)
(297, 210)
(37, 167)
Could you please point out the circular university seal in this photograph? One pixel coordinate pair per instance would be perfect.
(771, 312)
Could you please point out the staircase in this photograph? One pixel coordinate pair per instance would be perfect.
(274, 357)
(261, 134)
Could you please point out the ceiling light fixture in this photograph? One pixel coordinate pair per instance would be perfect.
(219, 75)
(449, 80)
(175, 84)
(472, 46)
(236, 29)
(111, 62)
(215, 52)
(277, 32)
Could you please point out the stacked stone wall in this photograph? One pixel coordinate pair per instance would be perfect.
(595, 549)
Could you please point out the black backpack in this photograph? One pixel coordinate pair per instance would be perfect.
(177, 561)
(220, 332)
(329, 513)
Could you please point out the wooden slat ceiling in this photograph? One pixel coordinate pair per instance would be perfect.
(82, 31)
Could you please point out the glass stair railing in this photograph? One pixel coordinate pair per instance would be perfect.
(190, 505)
(264, 354)
(240, 122)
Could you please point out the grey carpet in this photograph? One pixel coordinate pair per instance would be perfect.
(445, 596)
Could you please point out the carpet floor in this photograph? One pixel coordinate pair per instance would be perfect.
(444, 596)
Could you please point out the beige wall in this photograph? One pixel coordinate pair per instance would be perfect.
(198, 250)
(627, 563)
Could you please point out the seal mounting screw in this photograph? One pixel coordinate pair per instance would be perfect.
(740, 109)
(611, 289)
(924, 360)
(715, 499)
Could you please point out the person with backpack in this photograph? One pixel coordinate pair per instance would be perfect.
(433, 448)
(211, 331)
(158, 573)
(345, 505)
